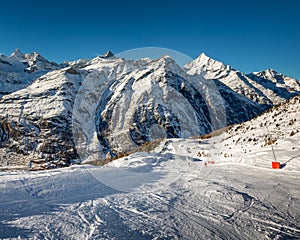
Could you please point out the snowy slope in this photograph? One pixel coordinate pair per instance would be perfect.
(248, 143)
(232, 202)
(252, 141)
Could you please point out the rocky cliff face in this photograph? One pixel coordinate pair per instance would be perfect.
(51, 115)
(36, 121)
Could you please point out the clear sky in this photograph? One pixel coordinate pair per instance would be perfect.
(249, 35)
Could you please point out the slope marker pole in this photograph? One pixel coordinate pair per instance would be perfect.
(274, 164)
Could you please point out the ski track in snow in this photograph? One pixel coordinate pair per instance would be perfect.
(232, 202)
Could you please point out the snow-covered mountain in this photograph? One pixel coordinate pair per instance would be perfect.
(160, 98)
(105, 106)
(19, 70)
(266, 87)
(276, 86)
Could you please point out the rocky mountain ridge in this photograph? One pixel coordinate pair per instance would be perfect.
(265, 87)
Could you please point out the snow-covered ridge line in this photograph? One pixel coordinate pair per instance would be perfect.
(265, 87)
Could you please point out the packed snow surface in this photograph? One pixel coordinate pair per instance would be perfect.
(170, 194)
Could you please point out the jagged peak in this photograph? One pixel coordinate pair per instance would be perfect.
(267, 73)
(270, 70)
(204, 64)
(17, 53)
(272, 75)
(35, 56)
(204, 59)
(108, 54)
(203, 55)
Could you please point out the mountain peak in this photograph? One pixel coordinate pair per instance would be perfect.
(204, 59)
(166, 60)
(203, 56)
(165, 57)
(17, 53)
(204, 64)
(166, 63)
(35, 56)
(268, 74)
(271, 71)
(108, 54)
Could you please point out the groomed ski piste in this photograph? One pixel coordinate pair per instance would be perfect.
(219, 187)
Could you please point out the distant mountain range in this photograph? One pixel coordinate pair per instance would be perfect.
(52, 114)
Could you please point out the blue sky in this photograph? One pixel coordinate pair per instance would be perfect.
(248, 35)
